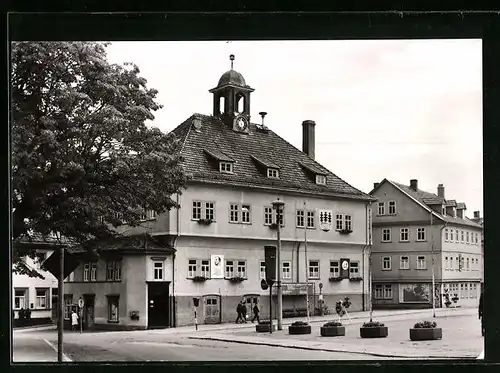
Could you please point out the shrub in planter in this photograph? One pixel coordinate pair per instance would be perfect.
(264, 326)
(205, 221)
(236, 280)
(299, 327)
(373, 329)
(425, 331)
(356, 279)
(199, 279)
(332, 329)
(335, 279)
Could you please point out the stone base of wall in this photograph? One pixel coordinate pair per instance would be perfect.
(18, 323)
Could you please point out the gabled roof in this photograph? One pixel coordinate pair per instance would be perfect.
(425, 199)
(461, 206)
(451, 202)
(245, 149)
(265, 162)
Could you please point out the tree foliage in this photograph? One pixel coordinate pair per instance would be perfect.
(83, 158)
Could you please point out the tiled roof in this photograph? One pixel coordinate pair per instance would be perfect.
(461, 205)
(217, 154)
(125, 243)
(265, 162)
(244, 148)
(427, 198)
(451, 202)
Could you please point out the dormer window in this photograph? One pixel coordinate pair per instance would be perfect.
(454, 212)
(443, 210)
(321, 179)
(226, 167)
(272, 173)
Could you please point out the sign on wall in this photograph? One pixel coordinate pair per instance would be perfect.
(325, 219)
(344, 267)
(414, 293)
(217, 266)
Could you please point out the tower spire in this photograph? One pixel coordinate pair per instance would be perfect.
(231, 57)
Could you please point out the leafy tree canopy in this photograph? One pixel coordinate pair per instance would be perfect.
(83, 159)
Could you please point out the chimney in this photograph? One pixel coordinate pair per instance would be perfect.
(441, 190)
(308, 140)
(375, 185)
(414, 184)
(476, 215)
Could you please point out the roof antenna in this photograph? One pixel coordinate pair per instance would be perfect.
(262, 114)
(231, 57)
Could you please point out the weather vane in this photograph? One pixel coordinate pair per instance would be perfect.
(231, 57)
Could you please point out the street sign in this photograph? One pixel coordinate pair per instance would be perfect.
(196, 301)
(263, 285)
(80, 303)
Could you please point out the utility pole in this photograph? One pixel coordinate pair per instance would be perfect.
(60, 297)
(279, 206)
(433, 275)
(306, 266)
(370, 283)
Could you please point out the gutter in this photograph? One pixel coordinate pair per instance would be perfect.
(174, 244)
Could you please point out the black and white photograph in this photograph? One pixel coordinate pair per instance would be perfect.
(246, 200)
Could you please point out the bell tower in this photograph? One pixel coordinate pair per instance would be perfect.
(232, 99)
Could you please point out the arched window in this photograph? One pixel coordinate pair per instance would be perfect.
(222, 104)
(240, 103)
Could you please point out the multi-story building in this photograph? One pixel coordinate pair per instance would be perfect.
(417, 234)
(212, 248)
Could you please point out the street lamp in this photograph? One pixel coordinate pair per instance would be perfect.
(279, 207)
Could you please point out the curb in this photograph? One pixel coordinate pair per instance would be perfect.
(33, 328)
(412, 356)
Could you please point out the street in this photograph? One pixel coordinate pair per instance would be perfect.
(230, 342)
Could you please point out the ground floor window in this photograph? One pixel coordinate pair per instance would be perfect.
(262, 269)
(20, 298)
(388, 291)
(68, 300)
(354, 269)
(379, 292)
(113, 306)
(42, 298)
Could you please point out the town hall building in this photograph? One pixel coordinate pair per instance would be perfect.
(212, 248)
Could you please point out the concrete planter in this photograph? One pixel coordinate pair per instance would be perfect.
(299, 329)
(373, 331)
(264, 328)
(425, 334)
(332, 331)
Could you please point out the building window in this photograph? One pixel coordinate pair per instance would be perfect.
(467, 265)
(86, 269)
(420, 234)
(158, 270)
(93, 271)
(467, 237)
(229, 269)
(226, 167)
(461, 236)
(446, 263)
(348, 222)
(443, 210)
(272, 173)
(334, 269)
(381, 208)
(446, 235)
(457, 263)
(379, 292)
(113, 307)
(392, 207)
(404, 262)
(241, 270)
(20, 298)
(300, 218)
(191, 268)
(421, 262)
(314, 269)
(196, 210)
(268, 215)
(209, 211)
(404, 234)
(68, 300)
(113, 270)
(386, 235)
(339, 222)
(262, 269)
(147, 215)
(456, 235)
(233, 213)
(451, 263)
(386, 263)
(321, 179)
(388, 291)
(310, 219)
(286, 270)
(41, 298)
(245, 213)
(354, 269)
(451, 235)
(205, 268)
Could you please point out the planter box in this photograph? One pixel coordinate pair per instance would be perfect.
(302, 329)
(374, 332)
(264, 328)
(425, 334)
(332, 331)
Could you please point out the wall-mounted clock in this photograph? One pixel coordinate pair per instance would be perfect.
(241, 124)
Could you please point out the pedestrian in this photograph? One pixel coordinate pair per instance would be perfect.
(481, 313)
(28, 314)
(74, 321)
(243, 312)
(21, 315)
(238, 310)
(256, 312)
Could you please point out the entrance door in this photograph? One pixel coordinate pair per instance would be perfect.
(158, 305)
(250, 301)
(88, 311)
(211, 309)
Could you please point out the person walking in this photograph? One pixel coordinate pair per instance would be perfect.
(256, 313)
(481, 312)
(238, 310)
(74, 321)
(243, 312)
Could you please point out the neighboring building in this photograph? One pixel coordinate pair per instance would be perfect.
(415, 231)
(37, 294)
(213, 246)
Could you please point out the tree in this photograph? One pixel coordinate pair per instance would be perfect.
(83, 159)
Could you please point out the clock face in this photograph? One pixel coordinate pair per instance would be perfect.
(241, 123)
(345, 265)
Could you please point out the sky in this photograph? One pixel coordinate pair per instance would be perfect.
(395, 109)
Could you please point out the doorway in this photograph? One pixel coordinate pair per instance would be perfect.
(88, 311)
(211, 309)
(250, 301)
(158, 305)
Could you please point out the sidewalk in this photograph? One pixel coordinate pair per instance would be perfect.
(27, 350)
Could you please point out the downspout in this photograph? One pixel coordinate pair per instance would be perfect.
(298, 260)
(174, 313)
(440, 237)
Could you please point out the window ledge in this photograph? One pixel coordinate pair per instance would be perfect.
(113, 322)
(404, 241)
(386, 241)
(404, 269)
(386, 269)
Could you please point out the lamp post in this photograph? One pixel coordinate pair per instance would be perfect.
(279, 206)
